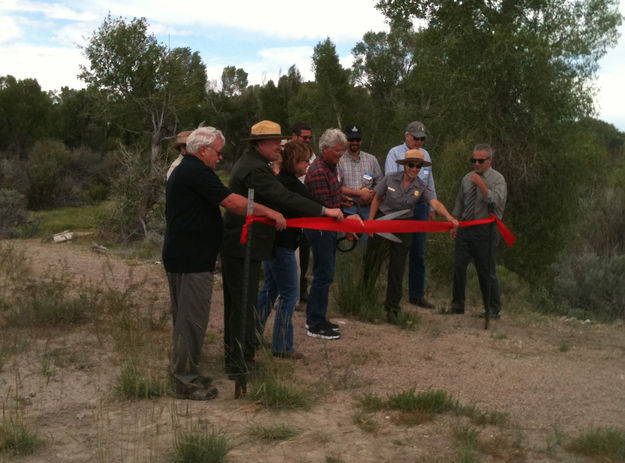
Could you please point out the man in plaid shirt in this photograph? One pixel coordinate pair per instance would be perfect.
(359, 172)
(322, 182)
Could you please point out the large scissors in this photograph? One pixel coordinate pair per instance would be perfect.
(388, 236)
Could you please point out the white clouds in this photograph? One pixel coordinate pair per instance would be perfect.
(9, 29)
(52, 67)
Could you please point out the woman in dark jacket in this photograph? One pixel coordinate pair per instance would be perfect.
(281, 278)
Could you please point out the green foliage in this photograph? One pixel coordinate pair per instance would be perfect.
(25, 114)
(273, 390)
(17, 439)
(354, 296)
(193, 447)
(591, 284)
(332, 80)
(135, 384)
(365, 422)
(13, 213)
(601, 444)
(83, 218)
(432, 402)
(371, 402)
(233, 81)
(274, 432)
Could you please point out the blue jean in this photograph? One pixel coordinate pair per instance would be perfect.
(280, 280)
(323, 246)
(416, 270)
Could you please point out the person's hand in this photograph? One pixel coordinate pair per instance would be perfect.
(366, 196)
(278, 219)
(453, 233)
(432, 215)
(334, 213)
(356, 217)
(454, 222)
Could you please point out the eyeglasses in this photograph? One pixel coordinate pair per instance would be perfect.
(210, 147)
(305, 138)
(414, 165)
(351, 140)
(418, 138)
(481, 161)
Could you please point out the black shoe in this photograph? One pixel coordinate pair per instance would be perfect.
(455, 312)
(292, 355)
(323, 332)
(327, 324)
(392, 316)
(421, 302)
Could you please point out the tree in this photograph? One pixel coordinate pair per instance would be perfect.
(332, 80)
(25, 114)
(233, 81)
(147, 87)
(517, 74)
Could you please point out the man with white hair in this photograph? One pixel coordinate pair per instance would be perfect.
(322, 182)
(192, 241)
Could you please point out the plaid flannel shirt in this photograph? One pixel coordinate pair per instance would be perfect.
(323, 183)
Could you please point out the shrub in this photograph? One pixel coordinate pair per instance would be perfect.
(592, 285)
(606, 444)
(194, 447)
(13, 213)
(17, 439)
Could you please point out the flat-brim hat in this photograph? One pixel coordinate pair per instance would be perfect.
(265, 130)
(415, 156)
(181, 138)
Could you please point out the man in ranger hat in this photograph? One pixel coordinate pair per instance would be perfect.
(253, 170)
(414, 137)
(181, 147)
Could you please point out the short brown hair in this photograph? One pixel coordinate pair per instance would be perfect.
(294, 152)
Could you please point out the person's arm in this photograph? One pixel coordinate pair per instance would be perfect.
(442, 210)
(375, 205)
(237, 204)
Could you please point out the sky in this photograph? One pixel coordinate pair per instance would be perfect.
(42, 39)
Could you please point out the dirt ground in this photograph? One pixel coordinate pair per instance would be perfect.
(553, 377)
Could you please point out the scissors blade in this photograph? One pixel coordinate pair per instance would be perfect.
(392, 215)
(389, 236)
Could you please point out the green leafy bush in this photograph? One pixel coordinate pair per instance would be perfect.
(13, 213)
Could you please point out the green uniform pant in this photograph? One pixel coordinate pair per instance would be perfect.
(239, 321)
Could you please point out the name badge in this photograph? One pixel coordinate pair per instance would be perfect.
(391, 188)
(367, 176)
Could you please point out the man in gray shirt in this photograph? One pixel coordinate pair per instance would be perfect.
(481, 191)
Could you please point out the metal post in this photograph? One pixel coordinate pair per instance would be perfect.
(491, 228)
(240, 385)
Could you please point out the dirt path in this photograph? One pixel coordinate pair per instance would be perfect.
(552, 377)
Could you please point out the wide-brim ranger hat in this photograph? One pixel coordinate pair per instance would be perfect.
(181, 138)
(265, 130)
(415, 156)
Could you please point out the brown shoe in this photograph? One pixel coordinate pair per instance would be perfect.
(422, 302)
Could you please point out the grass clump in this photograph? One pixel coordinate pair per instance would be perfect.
(601, 444)
(132, 384)
(371, 402)
(274, 432)
(193, 447)
(481, 417)
(466, 442)
(16, 439)
(432, 402)
(273, 391)
(365, 422)
(408, 320)
(354, 296)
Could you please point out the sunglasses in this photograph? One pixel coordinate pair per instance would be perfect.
(481, 161)
(414, 165)
(418, 138)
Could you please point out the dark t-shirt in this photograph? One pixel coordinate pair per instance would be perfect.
(194, 226)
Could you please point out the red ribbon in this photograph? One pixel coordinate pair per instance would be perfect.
(379, 226)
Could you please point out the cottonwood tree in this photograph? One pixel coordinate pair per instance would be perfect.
(147, 87)
(517, 74)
